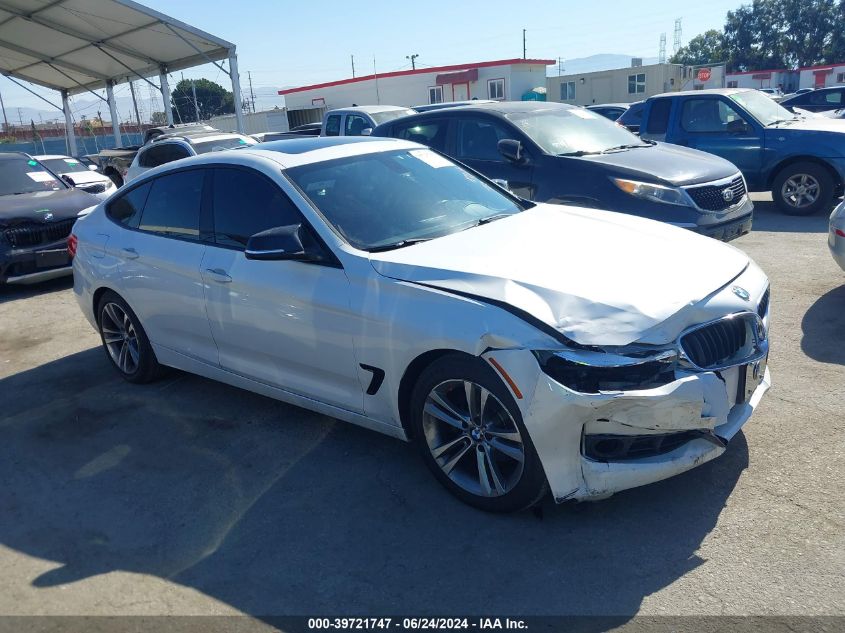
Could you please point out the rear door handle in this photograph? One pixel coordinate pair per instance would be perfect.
(130, 253)
(219, 275)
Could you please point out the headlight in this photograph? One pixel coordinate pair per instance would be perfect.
(655, 193)
(592, 372)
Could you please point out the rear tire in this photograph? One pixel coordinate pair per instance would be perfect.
(803, 189)
(125, 341)
(470, 433)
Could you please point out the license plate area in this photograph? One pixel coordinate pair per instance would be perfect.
(52, 259)
(750, 377)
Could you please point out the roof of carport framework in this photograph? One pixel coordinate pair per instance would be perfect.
(79, 46)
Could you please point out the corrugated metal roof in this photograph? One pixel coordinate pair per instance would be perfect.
(78, 45)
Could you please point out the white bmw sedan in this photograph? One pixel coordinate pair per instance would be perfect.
(523, 347)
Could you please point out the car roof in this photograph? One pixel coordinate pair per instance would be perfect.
(10, 155)
(608, 105)
(195, 137)
(291, 152)
(369, 109)
(709, 91)
(500, 107)
(52, 156)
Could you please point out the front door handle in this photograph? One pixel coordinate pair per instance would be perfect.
(219, 275)
(130, 253)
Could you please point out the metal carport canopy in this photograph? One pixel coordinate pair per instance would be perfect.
(78, 46)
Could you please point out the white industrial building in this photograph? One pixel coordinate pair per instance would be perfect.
(506, 80)
(821, 76)
(620, 85)
(786, 80)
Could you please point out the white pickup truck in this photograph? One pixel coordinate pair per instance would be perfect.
(360, 120)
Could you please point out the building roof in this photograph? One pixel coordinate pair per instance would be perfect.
(421, 71)
(79, 45)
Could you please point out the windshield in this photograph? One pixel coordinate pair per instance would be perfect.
(375, 200)
(761, 107)
(24, 175)
(381, 117)
(219, 144)
(63, 165)
(572, 131)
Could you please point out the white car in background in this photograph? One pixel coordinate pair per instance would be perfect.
(836, 235)
(523, 347)
(78, 175)
(169, 147)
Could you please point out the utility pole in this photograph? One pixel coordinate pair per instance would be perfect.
(5, 120)
(20, 117)
(196, 105)
(559, 66)
(353, 65)
(677, 43)
(661, 55)
(134, 102)
(251, 93)
(523, 45)
(413, 60)
(375, 75)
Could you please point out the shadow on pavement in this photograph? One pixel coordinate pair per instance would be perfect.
(767, 217)
(822, 328)
(279, 511)
(13, 292)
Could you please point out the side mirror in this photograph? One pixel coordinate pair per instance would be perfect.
(739, 127)
(366, 131)
(501, 183)
(512, 150)
(281, 242)
(93, 168)
(68, 180)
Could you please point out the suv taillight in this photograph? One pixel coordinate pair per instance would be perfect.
(72, 241)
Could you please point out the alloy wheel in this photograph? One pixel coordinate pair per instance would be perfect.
(473, 438)
(120, 338)
(800, 190)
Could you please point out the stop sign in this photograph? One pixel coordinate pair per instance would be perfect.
(704, 74)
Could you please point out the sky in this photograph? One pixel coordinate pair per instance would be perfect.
(291, 43)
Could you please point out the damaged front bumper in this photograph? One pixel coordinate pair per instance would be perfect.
(650, 434)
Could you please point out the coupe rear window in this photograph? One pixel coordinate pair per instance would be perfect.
(23, 175)
(219, 144)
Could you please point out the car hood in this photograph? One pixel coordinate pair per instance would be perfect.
(86, 177)
(36, 207)
(666, 163)
(810, 124)
(600, 278)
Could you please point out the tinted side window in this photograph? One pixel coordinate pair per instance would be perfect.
(479, 138)
(153, 156)
(658, 116)
(355, 125)
(830, 97)
(709, 115)
(176, 152)
(246, 203)
(127, 208)
(431, 133)
(333, 125)
(173, 205)
(633, 115)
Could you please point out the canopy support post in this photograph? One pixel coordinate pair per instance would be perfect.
(165, 95)
(115, 122)
(236, 89)
(71, 137)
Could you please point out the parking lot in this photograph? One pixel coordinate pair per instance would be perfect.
(190, 497)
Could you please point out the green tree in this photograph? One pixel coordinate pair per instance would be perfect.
(707, 48)
(781, 33)
(158, 118)
(212, 100)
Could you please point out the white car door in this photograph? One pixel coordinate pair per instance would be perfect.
(285, 323)
(159, 269)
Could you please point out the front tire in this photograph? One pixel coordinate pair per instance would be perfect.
(124, 340)
(470, 433)
(803, 189)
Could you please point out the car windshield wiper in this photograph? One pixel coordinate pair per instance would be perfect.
(580, 152)
(399, 244)
(792, 120)
(629, 146)
(486, 220)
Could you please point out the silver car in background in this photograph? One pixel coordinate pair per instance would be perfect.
(836, 235)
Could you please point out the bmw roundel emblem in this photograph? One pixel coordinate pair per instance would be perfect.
(741, 292)
(728, 195)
